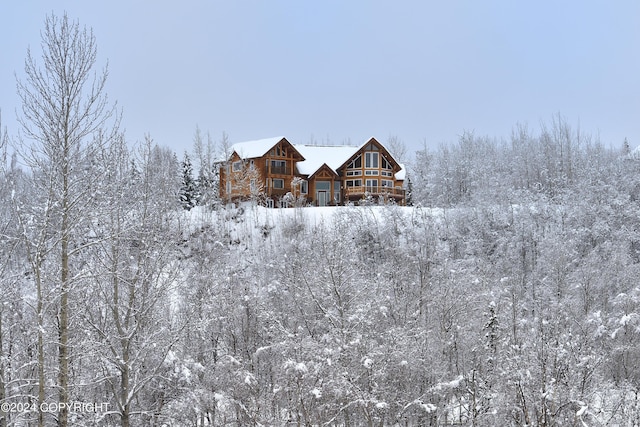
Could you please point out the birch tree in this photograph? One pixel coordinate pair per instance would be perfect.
(65, 118)
(135, 269)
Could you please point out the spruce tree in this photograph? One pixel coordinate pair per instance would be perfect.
(189, 189)
(409, 192)
(207, 185)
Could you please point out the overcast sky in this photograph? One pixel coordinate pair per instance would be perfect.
(345, 70)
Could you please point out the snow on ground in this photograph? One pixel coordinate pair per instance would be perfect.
(252, 222)
(312, 215)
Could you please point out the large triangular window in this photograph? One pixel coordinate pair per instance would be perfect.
(355, 163)
(386, 164)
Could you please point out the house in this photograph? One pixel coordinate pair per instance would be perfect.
(276, 172)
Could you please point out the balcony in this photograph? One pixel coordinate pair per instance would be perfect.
(277, 192)
(352, 193)
(277, 170)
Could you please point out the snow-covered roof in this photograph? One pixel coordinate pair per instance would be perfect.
(334, 156)
(402, 173)
(252, 149)
(317, 155)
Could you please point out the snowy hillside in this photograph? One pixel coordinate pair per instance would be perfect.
(406, 315)
(512, 299)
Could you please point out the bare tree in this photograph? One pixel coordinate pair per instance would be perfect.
(398, 148)
(134, 271)
(66, 117)
(5, 250)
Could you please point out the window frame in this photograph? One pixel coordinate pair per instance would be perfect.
(369, 181)
(371, 160)
(386, 164)
(355, 163)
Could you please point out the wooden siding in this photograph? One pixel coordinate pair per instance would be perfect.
(324, 174)
(356, 181)
(359, 173)
(263, 170)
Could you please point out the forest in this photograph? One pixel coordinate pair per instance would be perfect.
(505, 294)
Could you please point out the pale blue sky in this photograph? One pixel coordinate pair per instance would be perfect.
(342, 70)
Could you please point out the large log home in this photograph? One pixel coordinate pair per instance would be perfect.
(275, 171)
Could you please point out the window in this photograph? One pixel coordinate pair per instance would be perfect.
(355, 163)
(387, 173)
(237, 166)
(252, 165)
(278, 183)
(354, 173)
(278, 166)
(336, 191)
(375, 173)
(300, 186)
(323, 185)
(252, 185)
(385, 163)
(278, 152)
(387, 183)
(371, 160)
(354, 183)
(228, 187)
(372, 184)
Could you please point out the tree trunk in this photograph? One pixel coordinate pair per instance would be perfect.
(40, 316)
(63, 326)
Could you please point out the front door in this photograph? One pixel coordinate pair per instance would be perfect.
(323, 192)
(322, 197)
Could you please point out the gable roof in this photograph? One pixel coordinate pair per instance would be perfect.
(371, 140)
(257, 148)
(318, 155)
(313, 156)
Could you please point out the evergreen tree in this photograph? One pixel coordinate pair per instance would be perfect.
(626, 148)
(207, 185)
(409, 192)
(189, 190)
